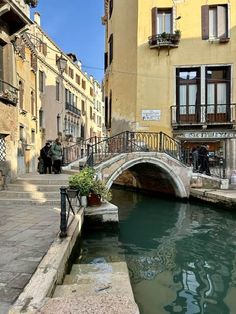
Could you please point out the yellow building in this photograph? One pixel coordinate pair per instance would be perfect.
(170, 68)
(14, 18)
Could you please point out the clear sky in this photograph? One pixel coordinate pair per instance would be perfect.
(75, 26)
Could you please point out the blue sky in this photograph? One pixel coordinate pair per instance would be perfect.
(76, 27)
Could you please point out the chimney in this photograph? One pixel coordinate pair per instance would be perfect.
(37, 18)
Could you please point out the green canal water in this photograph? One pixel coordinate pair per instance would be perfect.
(181, 257)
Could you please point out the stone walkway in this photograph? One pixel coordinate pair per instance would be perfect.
(26, 233)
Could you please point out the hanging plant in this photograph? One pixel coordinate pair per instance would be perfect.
(32, 3)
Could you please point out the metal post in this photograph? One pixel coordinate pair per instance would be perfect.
(161, 142)
(63, 225)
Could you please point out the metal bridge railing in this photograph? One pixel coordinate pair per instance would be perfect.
(70, 205)
(127, 142)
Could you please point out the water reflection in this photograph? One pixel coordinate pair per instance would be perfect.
(181, 257)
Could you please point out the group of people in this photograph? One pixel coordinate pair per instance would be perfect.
(200, 159)
(50, 158)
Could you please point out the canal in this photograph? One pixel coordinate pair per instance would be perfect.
(181, 256)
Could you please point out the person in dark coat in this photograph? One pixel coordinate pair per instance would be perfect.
(47, 161)
(56, 154)
(204, 160)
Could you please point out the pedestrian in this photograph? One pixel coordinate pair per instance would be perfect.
(195, 158)
(40, 165)
(204, 160)
(56, 155)
(45, 156)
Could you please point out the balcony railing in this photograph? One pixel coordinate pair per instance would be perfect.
(73, 109)
(8, 93)
(203, 114)
(164, 40)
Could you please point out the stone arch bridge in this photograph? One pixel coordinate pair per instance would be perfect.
(157, 172)
(144, 160)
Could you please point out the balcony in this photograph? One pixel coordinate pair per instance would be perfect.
(8, 93)
(218, 114)
(164, 40)
(73, 109)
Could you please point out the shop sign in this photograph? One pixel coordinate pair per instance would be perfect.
(215, 135)
(151, 115)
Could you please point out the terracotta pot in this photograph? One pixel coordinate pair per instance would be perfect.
(94, 199)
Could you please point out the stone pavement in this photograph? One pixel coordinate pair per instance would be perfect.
(26, 233)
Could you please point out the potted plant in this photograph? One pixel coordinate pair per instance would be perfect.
(89, 188)
(98, 192)
(176, 36)
(82, 182)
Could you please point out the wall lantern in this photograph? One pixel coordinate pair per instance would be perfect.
(61, 63)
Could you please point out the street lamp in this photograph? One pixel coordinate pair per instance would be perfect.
(61, 63)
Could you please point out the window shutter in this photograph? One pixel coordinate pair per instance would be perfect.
(221, 21)
(154, 21)
(205, 22)
(228, 24)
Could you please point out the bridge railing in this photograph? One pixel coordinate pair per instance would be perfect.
(127, 142)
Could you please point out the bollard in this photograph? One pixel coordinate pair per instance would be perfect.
(63, 225)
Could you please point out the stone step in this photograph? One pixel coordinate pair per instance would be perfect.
(102, 303)
(93, 278)
(52, 181)
(116, 285)
(28, 187)
(102, 268)
(29, 195)
(30, 202)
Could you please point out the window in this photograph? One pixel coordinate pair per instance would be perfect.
(218, 93)
(91, 91)
(41, 81)
(32, 100)
(77, 79)
(33, 62)
(91, 113)
(110, 8)
(188, 94)
(71, 73)
(57, 91)
(162, 21)
(2, 148)
(105, 60)
(21, 95)
(41, 117)
(82, 106)
(215, 23)
(32, 136)
(21, 133)
(43, 48)
(110, 48)
(83, 84)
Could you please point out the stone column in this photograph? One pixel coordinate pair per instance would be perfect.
(230, 156)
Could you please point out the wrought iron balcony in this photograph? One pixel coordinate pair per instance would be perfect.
(217, 114)
(73, 109)
(8, 93)
(164, 40)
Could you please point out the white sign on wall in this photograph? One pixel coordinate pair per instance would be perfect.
(151, 115)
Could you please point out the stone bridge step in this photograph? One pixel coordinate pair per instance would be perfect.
(30, 195)
(28, 187)
(101, 268)
(30, 202)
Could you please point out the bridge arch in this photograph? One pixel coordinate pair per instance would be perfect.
(177, 180)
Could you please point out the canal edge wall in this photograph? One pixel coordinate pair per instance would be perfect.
(50, 271)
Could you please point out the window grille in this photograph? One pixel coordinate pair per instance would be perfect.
(2, 149)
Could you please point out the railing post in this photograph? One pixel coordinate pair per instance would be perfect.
(63, 225)
(126, 141)
(96, 144)
(161, 142)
